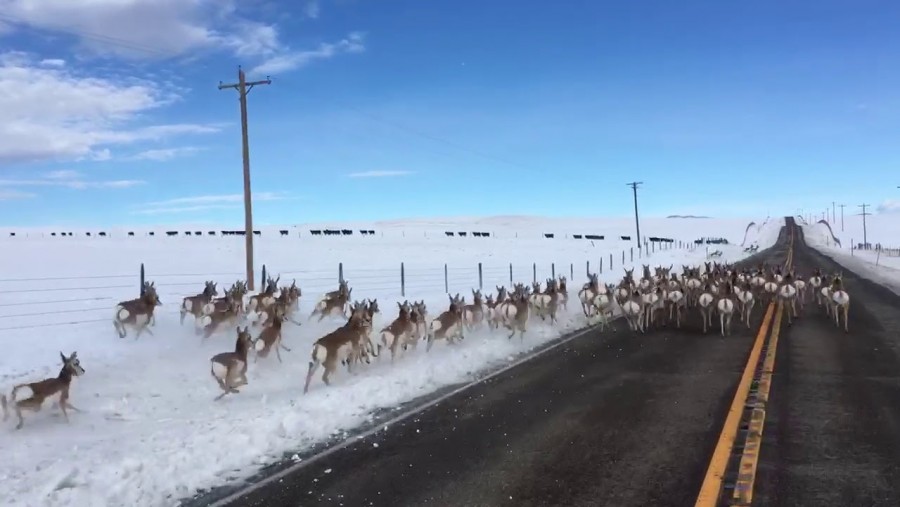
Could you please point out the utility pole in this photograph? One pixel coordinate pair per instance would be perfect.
(833, 218)
(864, 214)
(637, 223)
(243, 88)
(842, 216)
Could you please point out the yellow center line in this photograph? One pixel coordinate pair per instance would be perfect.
(711, 489)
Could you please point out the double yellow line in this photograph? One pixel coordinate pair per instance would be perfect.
(746, 397)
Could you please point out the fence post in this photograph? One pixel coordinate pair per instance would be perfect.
(402, 280)
(553, 270)
(851, 249)
(587, 268)
(480, 278)
(601, 265)
(263, 283)
(446, 280)
(142, 279)
(623, 257)
(640, 253)
(571, 271)
(534, 271)
(610, 262)
(631, 254)
(341, 272)
(510, 273)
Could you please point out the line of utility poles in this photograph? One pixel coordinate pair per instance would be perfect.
(243, 88)
(637, 222)
(842, 216)
(864, 214)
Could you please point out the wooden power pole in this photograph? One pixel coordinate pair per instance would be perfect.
(865, 237)
(842, 206)
(243, 88)
(637, 222)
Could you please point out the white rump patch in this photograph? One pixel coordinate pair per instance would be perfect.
(319, 353)
(219, 370)
(123, 314)
(387, 338)
(187, 305)
(435, 325)
(23, 393)
(259, 345)
(204, 321)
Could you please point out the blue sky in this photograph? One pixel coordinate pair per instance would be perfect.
(110, 112)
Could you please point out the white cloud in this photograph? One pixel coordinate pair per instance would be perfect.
(69, 179)
(291, 60)
(889, 206)
(85, 116)
(312, 9)
(53, 62)
(14, 195)
(379, 174)
(164, 154)
(203, 203)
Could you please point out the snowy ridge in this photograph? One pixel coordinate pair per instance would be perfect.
(150, 433)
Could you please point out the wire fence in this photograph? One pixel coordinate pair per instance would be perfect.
(27, 303)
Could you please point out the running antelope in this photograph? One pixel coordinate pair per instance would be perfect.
(230, 368)
(840, 302)
(602, 304)
(209, 324)
(44, 389)
(725, 307)
(137, 313)
(448, 325)
(677, 302)
(342, 344)
(237, 292)
(264, 299)
(563, 291)
(587, 293)
(515, 313)
(194, 304)
(787, 294)
(473, 314)
(746, 302)
(335, 305)
(705, 302)
(271, 336)
(633, 310)
(400, 331)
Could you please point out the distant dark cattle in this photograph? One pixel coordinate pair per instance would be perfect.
(371, 231)
(485, 234)
(448, 233)
(187, 233)
(593, 237)
(315, 232)
(548, 235)
(226, 233)
(332, 232)
(239, 233)
(653, 239)
(171, 233)
(103, 234)
(461, 233)
(283, 232)
(198, 233)
(12, 234)
(625, 238)
(87, 234)
(152, 233)
(364, 232)
(131, 233)
(211, 233)
(476, 234)
(257, 233)
(53, 234)
(576, 236)
(346, 232)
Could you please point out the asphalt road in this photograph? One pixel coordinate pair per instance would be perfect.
(606, 419)
(832, 434)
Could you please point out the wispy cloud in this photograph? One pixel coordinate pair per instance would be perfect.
(291, 60)
(379, 174)
(203, 203)
(69, 179)
(15, 195)
(312, 9)
(889, 206)
(165, 154)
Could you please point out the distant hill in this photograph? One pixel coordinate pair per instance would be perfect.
(686, 216)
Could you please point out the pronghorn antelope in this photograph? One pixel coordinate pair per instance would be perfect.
(677, 302)
(209, 324)
(824, 295)
(237, 292)
(400, 331)
(563, 290)
(746, 302)
(587, 293)
(840, 302)
(271, 336)
(44, 389)
(706, 304)
(633, 309)
(137, 313)
(787, 294)
(800, 285)
(342, 290)
(652, 301)
(265, 298)
(230, 368)
(289, 302)
(473, 314)
(194, 304)
(602, 304)
(343, 344)
(815, 282)
(515, 312)
(335, 305)
(448, 325)
(545, 303)
(725, 307)
(771, 288)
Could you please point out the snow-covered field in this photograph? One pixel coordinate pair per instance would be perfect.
(882, 229)
(150, 433)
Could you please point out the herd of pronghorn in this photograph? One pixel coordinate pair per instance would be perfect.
(657, 299)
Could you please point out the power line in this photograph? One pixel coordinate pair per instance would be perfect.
(244, 88)
(637, 223)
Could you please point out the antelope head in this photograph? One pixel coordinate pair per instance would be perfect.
(71, 364)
